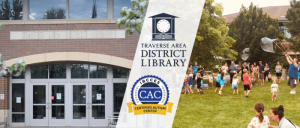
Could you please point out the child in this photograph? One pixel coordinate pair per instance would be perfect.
(218, 81)
(269, 77)
(246, 83)
(199, 86)
(186, 83)
(211, 80)
(253, 79)
(191, 82)
(222, 81)
(259, 121)
(235, 83)
(274, 89)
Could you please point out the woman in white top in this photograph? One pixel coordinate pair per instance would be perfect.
(260, 121)
(225, 70)
(276, 115)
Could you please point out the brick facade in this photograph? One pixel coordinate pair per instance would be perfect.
(124, 48)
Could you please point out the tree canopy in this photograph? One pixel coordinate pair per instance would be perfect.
(248, 27)
(293, 26)
(212, 39)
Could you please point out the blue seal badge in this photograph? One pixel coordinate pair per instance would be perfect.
(150, 90)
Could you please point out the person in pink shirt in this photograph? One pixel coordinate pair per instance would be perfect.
(246, 83)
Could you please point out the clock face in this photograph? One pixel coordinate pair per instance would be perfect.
(163, 26)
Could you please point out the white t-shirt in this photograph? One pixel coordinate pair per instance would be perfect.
(234, 81)
(210, 79)
(273, 86)
(225, 69)
(255, 123)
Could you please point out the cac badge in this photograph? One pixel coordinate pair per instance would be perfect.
(150, 95)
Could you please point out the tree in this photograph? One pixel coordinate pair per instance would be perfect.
(16, 69)
(249, 27)
(17, 10)
(212, 39)
(133, 18)
(293, 15)
(5, 10)
(55, 13)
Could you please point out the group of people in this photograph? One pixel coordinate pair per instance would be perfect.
(194, 73)
(248, 79)
(276, 115)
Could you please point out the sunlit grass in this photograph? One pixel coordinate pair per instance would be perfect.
(210, 110)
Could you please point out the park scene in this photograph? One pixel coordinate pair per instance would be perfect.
(243, 71)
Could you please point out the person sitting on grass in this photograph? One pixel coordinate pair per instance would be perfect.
(269, 77)
(274, 89)
(276, 115)
(186, 83)
(235, 83)
(259, 121)
(211, 80)
(246, 83)
(218, 81)
(253, 79)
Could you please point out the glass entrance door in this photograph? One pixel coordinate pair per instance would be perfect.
(39, 104)
(48, 104)
(96, 104)
(79, 104)
(57, 106)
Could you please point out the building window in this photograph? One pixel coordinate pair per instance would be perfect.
(57, 71)
(79, 70)
(47, 9)
(119, 91)
(39, 72)
(119, 73)
(285, 32)
(21, 76)
(18, 102)
(79, 102)
(87, 9)
(98, 71)
(11, 9)
(118, 5)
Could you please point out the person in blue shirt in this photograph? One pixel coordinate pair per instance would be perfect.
(293, 73)
(218, 81)
(195, 68)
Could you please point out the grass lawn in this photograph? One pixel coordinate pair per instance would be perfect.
(210, 110)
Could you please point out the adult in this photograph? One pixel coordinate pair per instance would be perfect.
(260, 121)
(278, 69)
(225, 69)
(277, 115)
(293, 73)
(248, 65)
(261, 73)
(195, 68)
(242, 70)
(201, 70)
(255, 72)
(266, 71)
(233, 70)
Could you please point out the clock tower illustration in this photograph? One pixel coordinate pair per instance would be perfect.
(163, 27)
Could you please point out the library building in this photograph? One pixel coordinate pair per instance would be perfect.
(77, 61)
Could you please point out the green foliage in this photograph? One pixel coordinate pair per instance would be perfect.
(16, 69)
(55, 13)
(210, 110)
(133, 18)
(212, 39)
(293, 15)
(249, 27)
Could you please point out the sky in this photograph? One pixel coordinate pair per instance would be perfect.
(233, 6)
